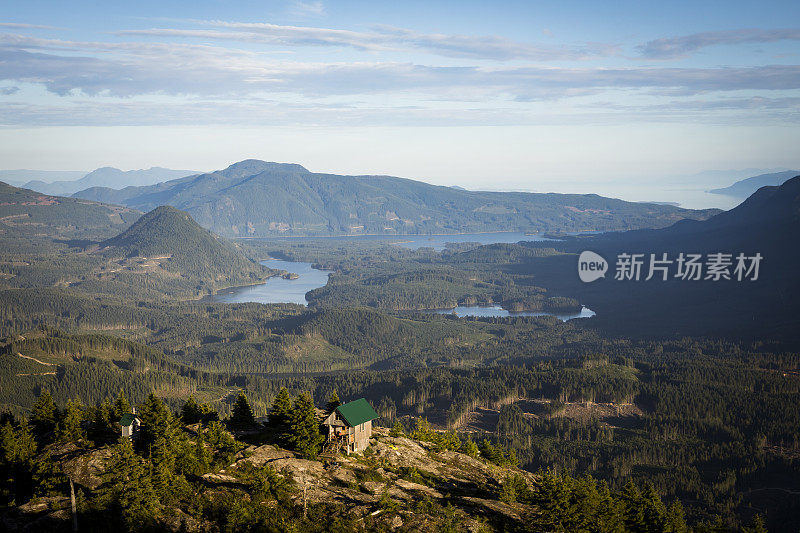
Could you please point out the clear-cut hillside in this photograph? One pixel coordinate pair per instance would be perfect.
(27, 213)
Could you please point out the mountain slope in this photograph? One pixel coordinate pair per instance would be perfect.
(110, 177)
(180, 246)
(259, 199)
(767, 223)
(28, 213)
(746, 187)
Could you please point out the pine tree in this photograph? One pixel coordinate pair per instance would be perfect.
(653, 509)
(157, 440)
(242, 416)
(69, 428)
(105, 426)
(675, 521)
(633, 507)
(44, 413)
(121, 406)
(191, 413)
(756, 526)
(128, 486)
(304, 434)
(17, 452)
(333, 403)
(470, 448)
(281, 412)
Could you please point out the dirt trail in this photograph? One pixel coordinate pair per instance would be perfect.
(34, 359)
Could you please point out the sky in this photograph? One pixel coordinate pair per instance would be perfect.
(630, 99)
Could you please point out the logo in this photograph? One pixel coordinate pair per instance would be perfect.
(591, 266)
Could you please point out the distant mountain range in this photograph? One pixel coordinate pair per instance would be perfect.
(23, 176)
(110, 177)
(259, 199)
(767, 223)
(746, 187)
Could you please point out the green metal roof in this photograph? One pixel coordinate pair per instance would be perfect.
(357, 412)
(127, 419)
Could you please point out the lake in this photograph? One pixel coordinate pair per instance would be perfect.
(277, 290)
(497, 311)
(437, 242)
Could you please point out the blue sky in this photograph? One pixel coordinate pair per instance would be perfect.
(618, 99)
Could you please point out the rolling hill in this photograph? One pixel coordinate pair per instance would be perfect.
(168, 242)
(259, 199)
(26, 213)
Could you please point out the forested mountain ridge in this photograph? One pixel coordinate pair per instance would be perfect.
(27, 213)
(257, 199)
(767, 223)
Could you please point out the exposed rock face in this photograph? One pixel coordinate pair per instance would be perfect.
(383, 488)
(400, 469)
(86, 468)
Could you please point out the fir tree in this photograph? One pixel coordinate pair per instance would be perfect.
(121, 406)
(633, 507)
(157, 441)
(470, 448)
(304, 434)
(756, 526)
(127, 486)
(653, 509)
(281, 412)
(191, 413)
(105, 424)
(69, 428)
(17, 452)
(46, 475)
(333, 403)
(675, 521)
(242, 415)
(44, 413)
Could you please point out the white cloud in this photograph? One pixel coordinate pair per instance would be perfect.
(128, 69)
(384, 38)
(22, 26)
(307, 9)
(675, 47)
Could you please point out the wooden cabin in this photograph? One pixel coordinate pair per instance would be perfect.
(350, 426)
(130, 425)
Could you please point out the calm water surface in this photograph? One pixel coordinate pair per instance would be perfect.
(437, 242)
(497, 311)
(278, 290)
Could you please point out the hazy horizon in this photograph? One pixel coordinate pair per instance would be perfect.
(609, 99)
